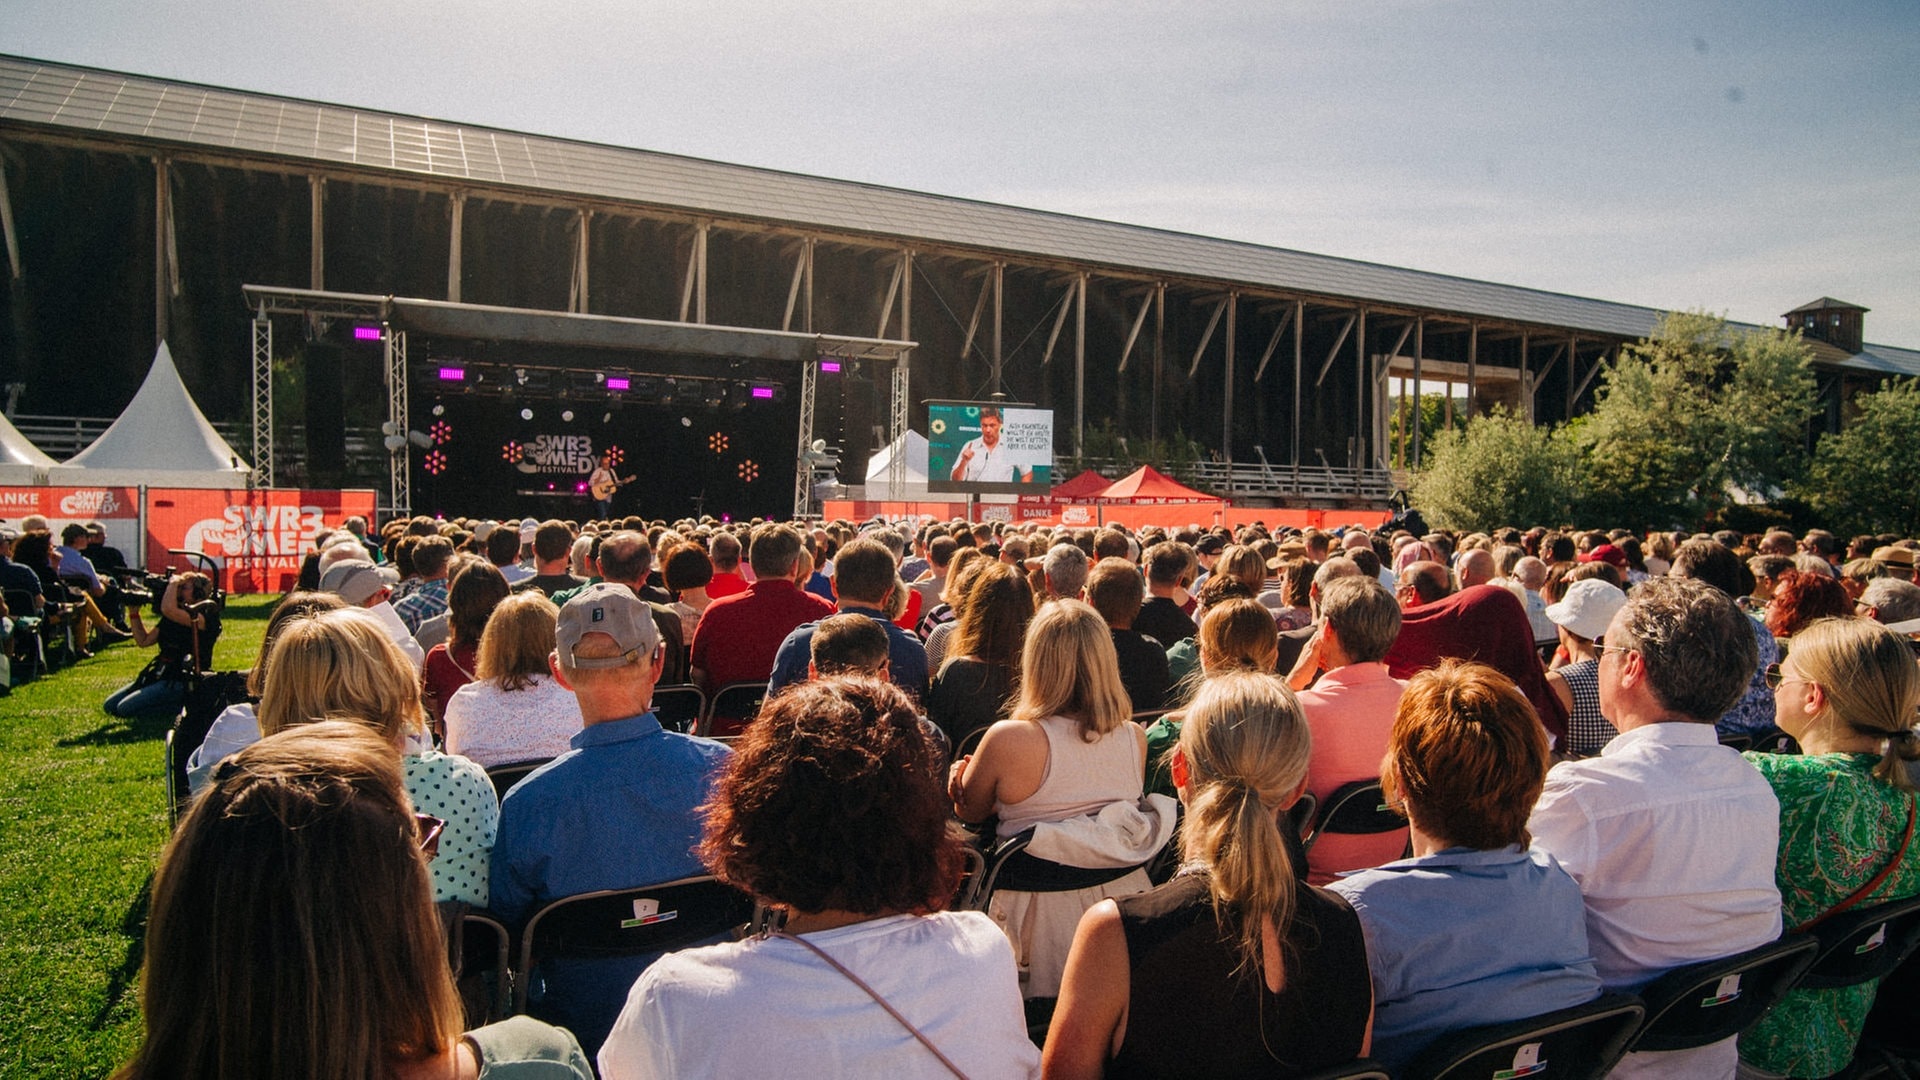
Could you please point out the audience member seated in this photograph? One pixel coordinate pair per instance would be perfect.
(724, 550)
(188, 628)
(1169, 567)
(515, 710)
(1847, 694)
(865, 581)
(1068, 753)
(1715, 564)
(1800, 598)
(476, 590)
(361, 585)
(1671, 835)
(614, 812)
(975, 687)
(238, 727)
(1235, 968)
(432, 559)
(1236, 634)
(1114, 588)
(1582, 616)
(862, 893)
(341, 664)
(552, 551)
(687, 572)
(938, 626)
(1350, 711)
(740, 634)
(1891, 600)
(292, 931)
(847, 645)
(1475, 928)
(1484, 624)
(626, 558)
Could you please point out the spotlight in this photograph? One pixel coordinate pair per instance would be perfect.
(420, 439)
(567, 415)
(526, 414)
(617, 383)
(439, 409)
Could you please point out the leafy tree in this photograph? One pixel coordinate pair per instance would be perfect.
(1861, 479)
(1690, 412)
(1433, 420)
(1498, 470)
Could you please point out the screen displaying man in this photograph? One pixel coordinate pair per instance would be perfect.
(984, 459)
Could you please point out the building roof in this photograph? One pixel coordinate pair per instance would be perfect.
(1827, 303)
(91, 101)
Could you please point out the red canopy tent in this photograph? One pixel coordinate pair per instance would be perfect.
(1147, 486)
(1086, 485)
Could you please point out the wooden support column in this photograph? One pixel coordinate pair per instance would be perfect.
(1299, 363)
(1362, 390)
(1473, 368)
(1226, 386)
(317, 254)
(999, 290)
(455, 239)
(6, 224)
(1419, 406)
(162, 249)
(1080, 368)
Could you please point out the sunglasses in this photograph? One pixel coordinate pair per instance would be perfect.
(429, 829)
(1776, 676)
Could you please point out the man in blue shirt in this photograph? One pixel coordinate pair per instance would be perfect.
(615, 812)
(863, 578)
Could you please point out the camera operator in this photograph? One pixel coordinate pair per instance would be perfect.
(188, 627)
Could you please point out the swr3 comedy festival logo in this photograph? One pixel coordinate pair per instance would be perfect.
(90, 503)
(281, 534)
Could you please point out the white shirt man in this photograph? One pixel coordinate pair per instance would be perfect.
(984, 459)
(1672, 837)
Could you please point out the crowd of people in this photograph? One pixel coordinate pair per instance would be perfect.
(1558, 718)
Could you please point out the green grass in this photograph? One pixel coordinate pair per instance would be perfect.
(82, 821)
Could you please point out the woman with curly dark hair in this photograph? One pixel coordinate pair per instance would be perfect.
(1801, 598)
(832, 811)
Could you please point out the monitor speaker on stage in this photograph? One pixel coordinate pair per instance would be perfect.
(326, 415)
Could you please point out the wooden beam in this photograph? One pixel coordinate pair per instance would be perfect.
(1206, 336)
(1139, 320)
(1345, 329)
(1274, 342)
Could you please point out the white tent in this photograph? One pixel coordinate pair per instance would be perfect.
(161, 440)
(21, 462)
(880, 465)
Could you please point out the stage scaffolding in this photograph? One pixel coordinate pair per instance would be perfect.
(397, 316)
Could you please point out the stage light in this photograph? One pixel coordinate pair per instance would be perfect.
(510, 451)
(686, 421)
(366, 333)
(615, 455)
(579, 487)
(452, 374)
(566, 415)
(436, 463)
(441, 431)
(395, 443)
(526, 414)
(606, 418)
(717, 442)
(763, 393)
(748, 471)
(439, 409)
(420, 439)
(614, 382)
(831, 367)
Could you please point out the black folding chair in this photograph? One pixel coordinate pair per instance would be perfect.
(733, 707)
(480, 952)
(679, 706)
(28, 646)
(1009, 866)
(1706, 1002)
(1361, 1069)
(505, 776)
(1358, 808)
(1863, 944)
(629, 922)
(1581, 1043)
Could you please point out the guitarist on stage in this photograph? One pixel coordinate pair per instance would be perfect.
(602, 483)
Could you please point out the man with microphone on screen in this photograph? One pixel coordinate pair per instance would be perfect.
(985, 460)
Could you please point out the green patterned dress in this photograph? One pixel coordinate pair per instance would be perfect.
(1838, 827)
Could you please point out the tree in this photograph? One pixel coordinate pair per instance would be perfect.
(1690, 412)
(1861, 480)
(1498, 470)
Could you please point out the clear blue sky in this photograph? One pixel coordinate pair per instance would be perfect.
(1743, 157)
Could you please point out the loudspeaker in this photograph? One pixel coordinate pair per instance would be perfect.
(326, 413)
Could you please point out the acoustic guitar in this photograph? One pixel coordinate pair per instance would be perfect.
(604, 489)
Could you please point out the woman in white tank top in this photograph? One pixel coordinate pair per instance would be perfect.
(1069, 750)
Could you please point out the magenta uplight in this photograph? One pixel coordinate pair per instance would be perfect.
(452, 374)
(830, 366)
(615, 382)
(366, 333)
(765, 392)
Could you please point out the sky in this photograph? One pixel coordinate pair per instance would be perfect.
(1742, 157)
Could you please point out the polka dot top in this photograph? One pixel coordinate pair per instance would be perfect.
(458, 791)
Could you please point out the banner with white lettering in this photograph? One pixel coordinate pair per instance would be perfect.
(257, 538)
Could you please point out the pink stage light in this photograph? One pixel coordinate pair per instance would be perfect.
(366, 333)
(614, 382)
(763, 392)
(452, 374)
(830, 366)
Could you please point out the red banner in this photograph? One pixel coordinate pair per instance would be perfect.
(118, 508)
(257, 538)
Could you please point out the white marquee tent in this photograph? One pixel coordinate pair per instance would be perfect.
(880, 465)
(21, 462)
(160, 440)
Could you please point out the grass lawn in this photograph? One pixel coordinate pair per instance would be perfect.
(82, 821)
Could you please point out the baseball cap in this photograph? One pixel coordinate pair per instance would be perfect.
(527, 529)
(352, 580)
(1608, 554)
(610, 609)
(1211, 544)
(1588, 607)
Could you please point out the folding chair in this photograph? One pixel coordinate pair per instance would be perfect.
(629, 922)
(479, 949)
(173, 790)
(1356, 808)
(679, 706)
(1706, 1002)
(1775, 741)
(1863, 944)
(1361, 1069)
(732, 708)
(28, 645)
(1581, 1043)
(505, 776)
(1010, 867)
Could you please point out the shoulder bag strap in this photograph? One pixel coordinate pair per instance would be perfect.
(1864, 891)
(875, 995)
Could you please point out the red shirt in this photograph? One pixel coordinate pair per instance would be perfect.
(727, 583)
(739, 634)
(444, 672)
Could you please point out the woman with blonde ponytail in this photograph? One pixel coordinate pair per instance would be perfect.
(1235, 967)
(1847, 693)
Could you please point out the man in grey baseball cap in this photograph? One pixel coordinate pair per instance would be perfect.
(615, 812)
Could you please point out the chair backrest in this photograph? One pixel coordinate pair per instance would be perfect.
(479, 948)
(173, 790)
(505, 776)
(630, 922)
(1301, 813)
(1863, 944)
(1774, 741)
(1703, 1003)
(679, 706)
(734, 705)
(1361, 1069)
(1359, 807)
(1581, 1043)
(1010, 867)
(970, 742)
